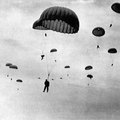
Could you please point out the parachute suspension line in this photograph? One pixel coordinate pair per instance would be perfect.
(48, 72)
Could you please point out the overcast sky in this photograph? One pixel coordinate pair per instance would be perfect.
(22, 45)
(17, 18)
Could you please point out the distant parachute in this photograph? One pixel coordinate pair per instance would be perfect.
(116, 7)
(67, 66)
(19, 80)
(53, 50)
(59, 19)
(8, 64)
(90, 76)
(98, 31)
(13, 67)
(88, 67)
(112, 50)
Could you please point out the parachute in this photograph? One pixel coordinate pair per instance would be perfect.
(116, 7)
(53, 50)
(19, 80)
(90, 76)
(59, 19)
(112, 50)
(8, 64)
(98, 31)
(88, 67)
(13, 67)
(67, 66)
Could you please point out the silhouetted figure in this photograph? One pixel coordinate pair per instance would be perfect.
(7, 75)
(42, 56)
(98, 46)
(110, 25)
(55, 60)
(111, 64)
(11, 78)
(46, 83)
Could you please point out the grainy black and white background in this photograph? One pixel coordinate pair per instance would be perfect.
(74, 97)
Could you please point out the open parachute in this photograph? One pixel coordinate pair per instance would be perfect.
(112, 50)
(67, 66)
(53, 50)
(13, 67)
(90, 76)
(19, 80)
(89, 67)
(116, 7)
(8, 64)
(58, 19)
(98, 31)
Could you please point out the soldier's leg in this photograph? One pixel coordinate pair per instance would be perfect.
(47, 88)
(44, 89)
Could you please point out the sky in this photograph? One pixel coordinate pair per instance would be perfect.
(22, 45)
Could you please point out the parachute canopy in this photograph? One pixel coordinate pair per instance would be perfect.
(90, 76)
(116, 7)
(88, 67)
(53, 50)
(67, 66)
(112, 50)
(60, 19)
(8, 64)
(19, 80)
(98, 31)
(13, 67)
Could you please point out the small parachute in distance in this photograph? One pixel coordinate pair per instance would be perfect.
(89, 67)
(112, 50)
(19, 80)
(98, 31)
(13, 67)
(53, 50)
(90, 76)
(59, 19)
(116, 7)
(8, 64)
(67, 66)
